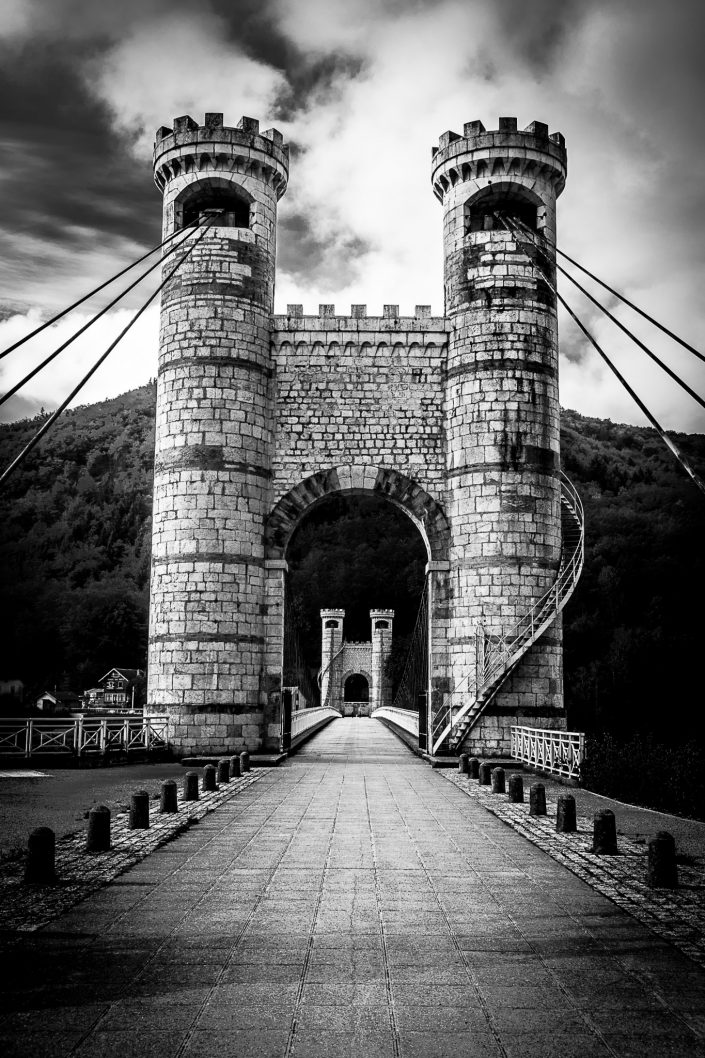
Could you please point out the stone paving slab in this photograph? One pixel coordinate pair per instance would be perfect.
(354, 902)
(81, 873)
(678, 915)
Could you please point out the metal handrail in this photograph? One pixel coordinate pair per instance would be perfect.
(499, 655)
(405, 718)
(303, 719)
(82, 735)
(557, 752)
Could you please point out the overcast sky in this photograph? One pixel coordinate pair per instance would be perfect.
(361, 89)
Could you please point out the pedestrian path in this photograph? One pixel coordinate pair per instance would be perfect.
(352, 902)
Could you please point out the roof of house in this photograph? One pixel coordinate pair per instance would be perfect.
(60, 696)
(127, 674)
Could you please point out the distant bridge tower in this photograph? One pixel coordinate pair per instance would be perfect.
(331, 643)
(214, 432)
(341, 660)
(382, 628)
(503, 484)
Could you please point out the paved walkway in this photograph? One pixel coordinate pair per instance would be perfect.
(352, 902)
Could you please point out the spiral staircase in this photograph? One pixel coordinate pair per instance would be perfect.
(498, 656)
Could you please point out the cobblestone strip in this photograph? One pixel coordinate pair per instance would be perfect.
(678, 915)
(80, 873)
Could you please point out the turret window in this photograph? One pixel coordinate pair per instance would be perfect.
(495, 208)
(225, 206)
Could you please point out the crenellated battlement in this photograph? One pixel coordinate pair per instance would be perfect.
(505, 153)
(390, 323)
(212, 148)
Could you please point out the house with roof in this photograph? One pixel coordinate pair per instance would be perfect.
(119, 687)
(57, 702)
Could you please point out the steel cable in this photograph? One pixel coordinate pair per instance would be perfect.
(652, 419)
(94, 319)
(617, 294)
(52, 418)
(672, 374)
(86, 297)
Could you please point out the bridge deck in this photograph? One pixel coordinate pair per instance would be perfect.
(350, 903)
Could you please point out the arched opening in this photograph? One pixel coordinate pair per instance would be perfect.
(331, 624)
(487, 210)
(225, 204)
(356, 688)
(358, 551)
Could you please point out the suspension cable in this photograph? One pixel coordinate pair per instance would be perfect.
(94, 319)
(652, 419)
(613, 318)
(52, 418)
(96, 290)
(617, 294)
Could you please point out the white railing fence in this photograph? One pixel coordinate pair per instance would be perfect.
(557, 752)
(82, 735)
(404, 718)
(305, 718)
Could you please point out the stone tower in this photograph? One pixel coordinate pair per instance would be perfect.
(452, 418)
(331, 642)
(382, 627)
(502, 412)
(214, 430)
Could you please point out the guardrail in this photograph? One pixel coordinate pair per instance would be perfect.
(82, 736)
(557, 752)
(306, 718)
(407, 719)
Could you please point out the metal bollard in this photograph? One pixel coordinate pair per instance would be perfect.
(224, 771)
(210, 781)
(515, 785)
(498, 780)
(98, 837)
(566, 815)
(191, 786)
(41, 846)
(484, 776)
(537, 799)
(474, 767)
(245, 761)
(169, 802)
(604, 833)
(662, 869)
(139, 811)
(235, 769)
(463, 767)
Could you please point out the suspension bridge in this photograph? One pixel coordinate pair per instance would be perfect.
(354, 901)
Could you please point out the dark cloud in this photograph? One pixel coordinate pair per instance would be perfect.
(537, 31)
(68, 178)
(307, 256)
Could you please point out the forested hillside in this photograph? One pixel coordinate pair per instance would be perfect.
(75, 532)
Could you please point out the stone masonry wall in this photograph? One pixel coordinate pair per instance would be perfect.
(359, 390)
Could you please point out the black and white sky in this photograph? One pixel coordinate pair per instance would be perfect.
(361, 89)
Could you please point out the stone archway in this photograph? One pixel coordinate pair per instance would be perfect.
(416, 503)
(356, 687)
(353, 702)
(401, 490)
